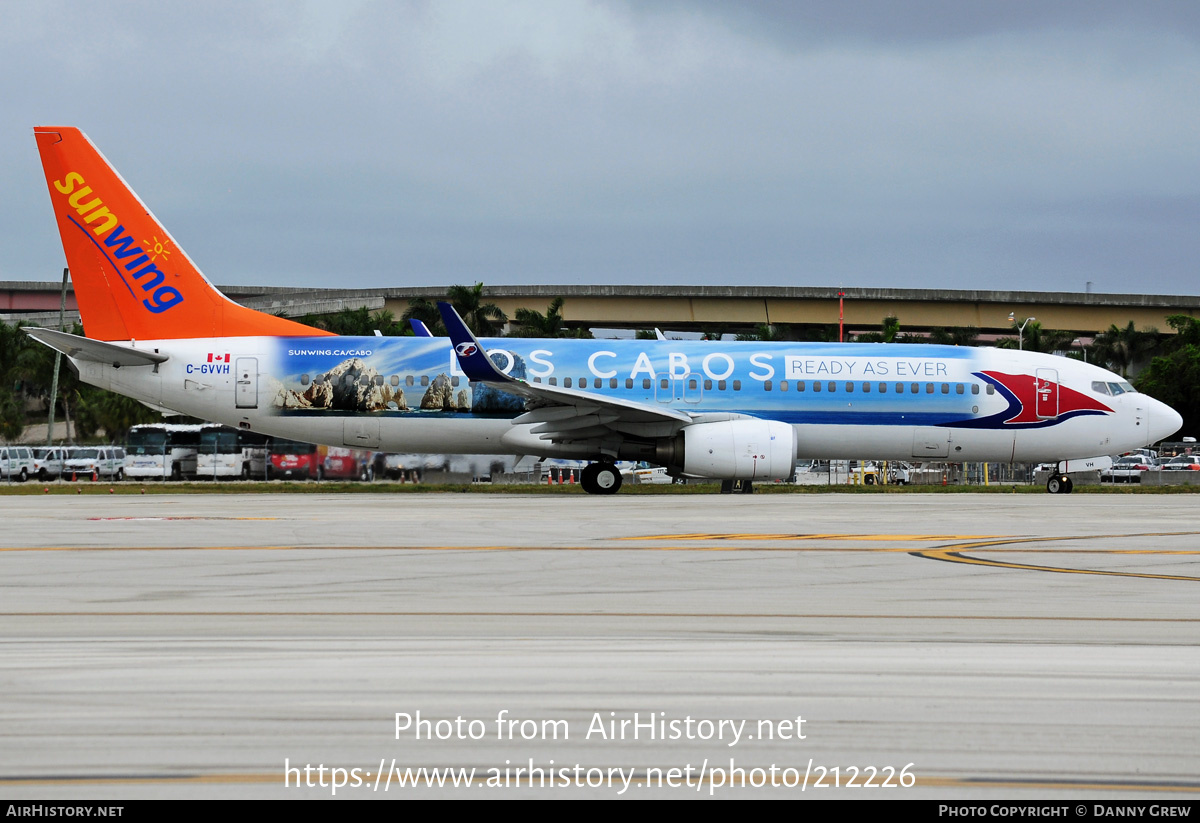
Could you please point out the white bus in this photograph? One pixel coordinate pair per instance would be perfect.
(162, 451)
(229, 452)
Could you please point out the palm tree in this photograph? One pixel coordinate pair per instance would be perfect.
(484, 319)
(424, 310)
(954, 336)
(1120, 348)
(886, 334)
(1035, 338)
(536, 324)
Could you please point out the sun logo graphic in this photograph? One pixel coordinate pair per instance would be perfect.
(466, 349)
(157, 248)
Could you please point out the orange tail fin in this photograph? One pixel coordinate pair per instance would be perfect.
(131, 280)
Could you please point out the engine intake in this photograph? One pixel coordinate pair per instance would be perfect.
(733, 450)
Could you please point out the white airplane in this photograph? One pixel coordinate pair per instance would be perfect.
(158, 331)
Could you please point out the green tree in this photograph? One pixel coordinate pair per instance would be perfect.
(427, 312)
(1036, 338)
(765, 332)
(536, 324)
(954, 336)
(484, 319)
(1175, 380)
(888, 329)
(1120, 348)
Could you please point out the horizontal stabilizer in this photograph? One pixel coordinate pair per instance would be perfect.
(95, 351)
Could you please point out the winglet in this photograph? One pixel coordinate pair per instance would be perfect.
(472, 359)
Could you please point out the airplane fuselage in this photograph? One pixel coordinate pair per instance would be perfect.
(885, 401)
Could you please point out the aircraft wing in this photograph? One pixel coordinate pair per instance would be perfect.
(556, 414)
(95, 351)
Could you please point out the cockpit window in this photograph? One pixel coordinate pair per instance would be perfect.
(1127, 387)
(1100, 388)
(1117, 388)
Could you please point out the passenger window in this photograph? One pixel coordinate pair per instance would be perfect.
(693, 384)
(991, 389)
(801, 385)
(566, 382)
(612, 384)
(424, 380)
(708, 385)
(783, 385)
(899, 388)
(849, 387)
(662, 384)
(867, 387)
(553, 381)
(408, 381)
(766, 385)
(832, 386)
(929, 388)
(304, 380)
(945, 388)
(721, 385)
(737, 385)
(537, 380)
(629, 382)
(883, 388)
(395, 380)
(645, 382)
(974, 388)
(958, 388)
(816, 385)
(916, 388)
(454, 381)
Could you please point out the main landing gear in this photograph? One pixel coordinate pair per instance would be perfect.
(1059, 484)
(600, 478)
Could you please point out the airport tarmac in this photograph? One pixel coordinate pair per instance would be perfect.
(976, 647)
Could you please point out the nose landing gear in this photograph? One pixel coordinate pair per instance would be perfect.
(1059, 484)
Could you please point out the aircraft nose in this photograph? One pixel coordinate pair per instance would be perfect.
(1164, 420)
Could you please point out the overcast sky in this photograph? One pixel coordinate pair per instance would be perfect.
(936, 143)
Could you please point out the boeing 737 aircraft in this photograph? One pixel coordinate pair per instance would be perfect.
(158, 331)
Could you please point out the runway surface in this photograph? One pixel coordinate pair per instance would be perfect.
(977, 646)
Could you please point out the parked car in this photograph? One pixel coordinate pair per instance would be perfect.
(16, 463)
(1128, 469)
(1184, 462)
(48, 462)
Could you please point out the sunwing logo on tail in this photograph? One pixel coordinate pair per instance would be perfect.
(118, 247)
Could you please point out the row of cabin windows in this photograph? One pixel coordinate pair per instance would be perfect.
(694, 384)
(378, 380)
(782, 385)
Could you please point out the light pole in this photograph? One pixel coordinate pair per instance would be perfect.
(1012, 318)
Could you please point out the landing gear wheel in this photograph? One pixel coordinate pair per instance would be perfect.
(1059, 484)
(600, 478)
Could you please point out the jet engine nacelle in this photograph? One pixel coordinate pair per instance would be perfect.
(739, 450)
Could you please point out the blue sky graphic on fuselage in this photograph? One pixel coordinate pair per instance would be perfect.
(883, 384)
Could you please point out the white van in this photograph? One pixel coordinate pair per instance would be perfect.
(16, 463)
(84, 462)
(48, 462)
